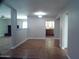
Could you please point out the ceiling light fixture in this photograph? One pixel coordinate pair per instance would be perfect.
(40, 16)
(40, 13)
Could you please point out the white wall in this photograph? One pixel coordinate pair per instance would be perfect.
(57, 28)
(21, 33)
(36, 28)
(73, 29)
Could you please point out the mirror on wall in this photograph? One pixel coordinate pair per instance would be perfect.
(5, 29)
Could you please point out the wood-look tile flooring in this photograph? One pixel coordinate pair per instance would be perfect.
(38, 49)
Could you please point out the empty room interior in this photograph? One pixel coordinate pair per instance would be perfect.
(39, 29)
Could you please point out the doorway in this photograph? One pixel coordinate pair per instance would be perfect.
(49, 28)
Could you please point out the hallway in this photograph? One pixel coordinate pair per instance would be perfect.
(37, 49)
(23, 22)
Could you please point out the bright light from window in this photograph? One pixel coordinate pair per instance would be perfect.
(24, 25)
(40, 13)
(50, 24)
(21, 17)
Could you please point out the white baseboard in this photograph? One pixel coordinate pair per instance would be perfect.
(18, 44)
(43, 38)
(36, 38)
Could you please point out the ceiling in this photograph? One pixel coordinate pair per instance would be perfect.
(28, 7)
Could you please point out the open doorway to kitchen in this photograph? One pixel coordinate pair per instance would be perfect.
(49, 28)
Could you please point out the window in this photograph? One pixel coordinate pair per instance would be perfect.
(24, 26)
(50, 24)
